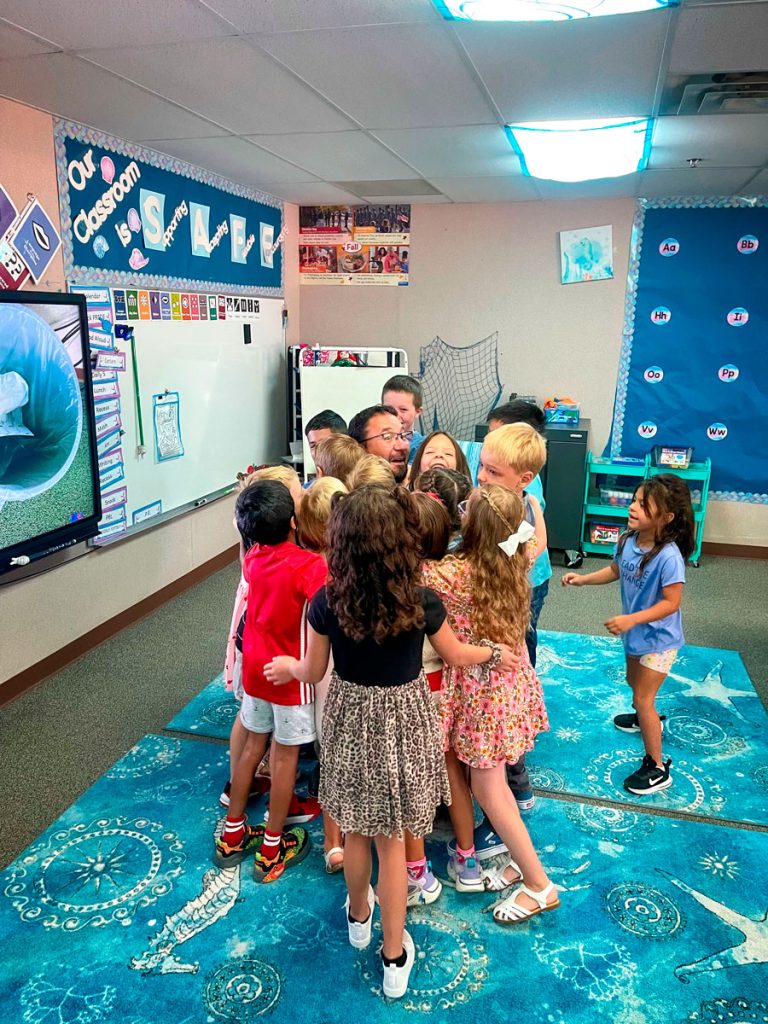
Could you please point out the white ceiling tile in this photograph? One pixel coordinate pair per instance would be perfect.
(602, 67)
(298, 15)
(507, 189)
(15, 43)
(603, 188)
(337, 156)
(85, 23)
(698, 181)
(233, 158)
(390, 76)
(756, 186)
(731, 37)
(721, 140)
(413, 200)
(71, 88)
(230, 83)
(468, 151)
(310, 193)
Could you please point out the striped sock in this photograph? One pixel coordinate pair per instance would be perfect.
(234, 830)
(270, 844)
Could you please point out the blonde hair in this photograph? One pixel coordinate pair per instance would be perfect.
(519, 446)
(316, 511)
(285, 474)
(371, 469)
(338, 455)
(501, 593)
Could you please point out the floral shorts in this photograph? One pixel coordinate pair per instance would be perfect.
(660, 661)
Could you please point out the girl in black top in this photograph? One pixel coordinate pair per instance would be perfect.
(383, 766)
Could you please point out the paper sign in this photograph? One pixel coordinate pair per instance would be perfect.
(8, 211)
(132, 302)
(144, 312)
(105, 407)
(110, 361)
(154, 305)
(100, 340)
(107, 424)
(103, 375)
(112, 476)
(194, 306)
(175, 306)
(166, 418)
(13, 270)
(147, 512)
(114, 499)
(35, 239)
(108, 532)
(121, 310)
(114, 515)
(110, 461)
(107, 443)
(165, 305)
(106, 389)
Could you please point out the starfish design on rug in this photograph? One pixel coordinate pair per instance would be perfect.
(752, 950)
(712, 687)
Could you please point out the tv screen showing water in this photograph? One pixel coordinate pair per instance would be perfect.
(48, 470)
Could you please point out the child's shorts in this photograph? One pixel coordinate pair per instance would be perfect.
(290, 725)
(660, 661)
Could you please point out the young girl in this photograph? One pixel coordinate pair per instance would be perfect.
(383, 769)
(650, 562)
(439, 449)
(491, 721)
(452, 488)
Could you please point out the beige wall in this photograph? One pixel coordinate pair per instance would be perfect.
(490, 267)
(40, 616)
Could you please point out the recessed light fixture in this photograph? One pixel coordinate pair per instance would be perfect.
(543, 10)
(581, 150)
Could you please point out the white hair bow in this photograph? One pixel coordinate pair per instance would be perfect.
(524, 533)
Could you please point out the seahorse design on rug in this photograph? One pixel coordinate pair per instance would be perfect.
(221, 889)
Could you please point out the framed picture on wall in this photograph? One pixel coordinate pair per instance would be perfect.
(586, 254)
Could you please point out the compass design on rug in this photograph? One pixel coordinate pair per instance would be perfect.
(152, 754)
(450, 966)
(95, 874)
(75, 997)
(644, 911)
(241, 990)
(592, 964)
(612, 823)
(693, 789)
(546, 778)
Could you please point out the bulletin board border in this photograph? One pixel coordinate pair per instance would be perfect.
(628, 329)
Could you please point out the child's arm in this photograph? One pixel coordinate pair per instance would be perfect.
(454, 652)
(309, 669)
(668, 605)
(539, 525)
(591, 579)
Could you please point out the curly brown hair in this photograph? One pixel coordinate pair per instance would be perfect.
(374, 563)
(501, 593)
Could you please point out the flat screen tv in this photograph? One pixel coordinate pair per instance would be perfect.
(49, 491)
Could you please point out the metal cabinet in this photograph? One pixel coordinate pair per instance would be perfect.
(563, 480)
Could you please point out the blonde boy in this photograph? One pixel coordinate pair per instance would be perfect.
(337, 456)
(513, 456)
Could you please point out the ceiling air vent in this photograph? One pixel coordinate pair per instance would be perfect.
(738, 92)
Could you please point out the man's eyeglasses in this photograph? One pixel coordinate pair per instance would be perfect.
(390, 435)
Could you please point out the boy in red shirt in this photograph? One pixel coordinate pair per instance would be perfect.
(282, 578)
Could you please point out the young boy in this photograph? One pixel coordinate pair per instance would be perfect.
(403, 393)
(282, 578)
(513, 456)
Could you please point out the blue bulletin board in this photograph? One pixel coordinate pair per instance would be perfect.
(694, 358)
(133, 216)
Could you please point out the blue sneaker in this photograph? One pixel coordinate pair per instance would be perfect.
(525, 799)
(424, 889)
(487, 843)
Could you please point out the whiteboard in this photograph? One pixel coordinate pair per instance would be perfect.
(344, 389)
(231, 406)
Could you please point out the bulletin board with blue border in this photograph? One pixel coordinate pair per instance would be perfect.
(694, 359)
(130, 215)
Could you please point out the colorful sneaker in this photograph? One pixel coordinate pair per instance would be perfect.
(487, 843)
(524, 799)
(629, 723)
(293, 848)
(360, 931)
(396, 978)
(301, 810)
(649, 778)
(466, 874)
(259, 787)
(423, 889)
(226, 856)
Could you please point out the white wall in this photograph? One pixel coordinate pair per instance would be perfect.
(479, 268)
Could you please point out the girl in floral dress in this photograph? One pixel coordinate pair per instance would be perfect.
(490, 721)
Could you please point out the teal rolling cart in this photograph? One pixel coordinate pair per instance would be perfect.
(608, 490)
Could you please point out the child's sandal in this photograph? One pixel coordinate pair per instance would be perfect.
(495, 879)
(333, 866)
(509, 911)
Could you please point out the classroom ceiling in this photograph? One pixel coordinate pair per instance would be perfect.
(335, 101)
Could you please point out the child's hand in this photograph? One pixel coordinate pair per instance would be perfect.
(509, 659)
(280, 670)
(619, 624)
(572, 579)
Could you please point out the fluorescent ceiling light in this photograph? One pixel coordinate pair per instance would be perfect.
(543, 10)
(581, 150)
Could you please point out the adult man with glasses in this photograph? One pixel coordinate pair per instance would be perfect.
(378, 430)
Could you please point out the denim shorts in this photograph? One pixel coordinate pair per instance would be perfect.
(292, 724)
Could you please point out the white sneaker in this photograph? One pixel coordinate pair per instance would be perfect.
(396, 978)
(360, 932)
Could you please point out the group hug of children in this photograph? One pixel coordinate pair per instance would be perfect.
(389, 615)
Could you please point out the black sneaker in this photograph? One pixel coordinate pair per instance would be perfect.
(648, 778)
(259, 787)
(629, 723)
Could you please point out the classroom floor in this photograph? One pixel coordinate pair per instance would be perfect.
(57, 739)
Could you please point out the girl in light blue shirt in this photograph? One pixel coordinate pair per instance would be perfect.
(650, 562)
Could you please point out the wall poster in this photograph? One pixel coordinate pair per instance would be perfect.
(354, 245)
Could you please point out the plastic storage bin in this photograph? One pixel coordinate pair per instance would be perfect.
(612, 493)
(562, 413)
(604, 533)
(672, 458)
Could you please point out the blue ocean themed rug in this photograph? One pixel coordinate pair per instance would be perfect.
(115, 914)
(211, 713)
(716, 730)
